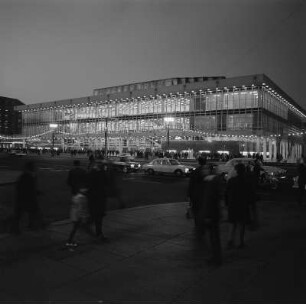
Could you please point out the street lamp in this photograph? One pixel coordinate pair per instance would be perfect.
(105, 136)
(168, 120)
(53, 126)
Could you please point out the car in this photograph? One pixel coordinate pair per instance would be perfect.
(17, 153)
(269, 174)
(125, 164)
(167, 166)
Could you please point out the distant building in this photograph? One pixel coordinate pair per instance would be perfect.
(10, 119)
(247, 115)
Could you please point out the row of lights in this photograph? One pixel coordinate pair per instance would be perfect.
(171, 95)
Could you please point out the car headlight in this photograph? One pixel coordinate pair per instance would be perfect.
(132, 165)
(186, 170)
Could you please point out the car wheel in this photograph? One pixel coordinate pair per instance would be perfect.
(150, 171)
(178, 173)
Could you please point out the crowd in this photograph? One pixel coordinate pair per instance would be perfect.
(239, 192)
(91, 188)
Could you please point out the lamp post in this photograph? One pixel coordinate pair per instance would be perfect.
(53, 126)
(106, 134)
(168, 120)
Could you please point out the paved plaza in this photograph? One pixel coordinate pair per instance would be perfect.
(153, 256)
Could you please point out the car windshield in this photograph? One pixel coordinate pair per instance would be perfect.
(174, 162)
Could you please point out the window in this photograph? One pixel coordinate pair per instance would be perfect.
(168, 82)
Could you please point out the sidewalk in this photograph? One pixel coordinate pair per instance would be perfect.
(153, 256)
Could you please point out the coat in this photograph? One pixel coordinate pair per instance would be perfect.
(302, 175)
(79, 208)
(196, 187)
(239, 196)
(26, 189)
(210, 206)
(97, 191)
(76, 179)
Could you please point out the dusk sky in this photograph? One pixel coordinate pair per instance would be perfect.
(58, 49)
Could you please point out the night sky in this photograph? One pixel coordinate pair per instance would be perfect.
(58, 49)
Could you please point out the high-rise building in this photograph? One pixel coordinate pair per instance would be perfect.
(10, 119)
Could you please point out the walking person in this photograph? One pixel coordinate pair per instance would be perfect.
(301, 170)
(239, 197)
(196, 194)
(76, 177)
(26, 199)
(78, 214)
(210, 215)
(97, 195)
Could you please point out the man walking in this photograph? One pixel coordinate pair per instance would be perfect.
(26, 198)
(76, 177)
(196, 194)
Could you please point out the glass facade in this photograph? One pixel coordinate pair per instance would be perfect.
(240, 110)
(127, 115)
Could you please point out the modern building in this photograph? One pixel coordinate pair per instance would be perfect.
(247, 114)
(10, 119)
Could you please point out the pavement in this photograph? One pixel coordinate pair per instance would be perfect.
(153, 257)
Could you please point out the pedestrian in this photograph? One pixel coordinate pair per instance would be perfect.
(91, 160)
(301, 172)
(77, 177)
(210, 215)
(26, 199)
(78, 214)
(97, 195)
(196, 194)
(239, 196)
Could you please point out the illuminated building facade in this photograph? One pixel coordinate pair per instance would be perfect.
(250, 113)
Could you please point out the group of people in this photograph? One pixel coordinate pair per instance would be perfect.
(89, 192)
(207, 189)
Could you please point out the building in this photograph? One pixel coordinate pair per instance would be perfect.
(247, 114)
(10, 120)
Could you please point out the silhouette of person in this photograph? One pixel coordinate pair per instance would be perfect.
(78, 215)
(239, 196)
(210, 214)
(26, 198)
(97, 195)
(301, 170)
(76, 177)
(196, 194)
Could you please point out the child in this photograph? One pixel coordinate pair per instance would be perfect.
(78, 214)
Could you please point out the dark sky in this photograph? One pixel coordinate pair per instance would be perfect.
(57, 49)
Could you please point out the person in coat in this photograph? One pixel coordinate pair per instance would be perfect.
(76, 178)
(196, 194)
(209, 212)
(239, 196)
(301, 170)
(98, 186)
(26, 198)
(78, 214)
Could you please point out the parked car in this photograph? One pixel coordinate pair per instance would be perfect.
(17, 153)
(268, 175)
(125, 163)
(167, 166)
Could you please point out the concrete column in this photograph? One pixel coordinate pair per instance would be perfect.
(120, 145)
(274, 150)
(270, 149)
(286, 149)
(264, 149)
(63, 143)
(258, 150)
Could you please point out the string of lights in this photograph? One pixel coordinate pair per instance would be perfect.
(185, 132)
